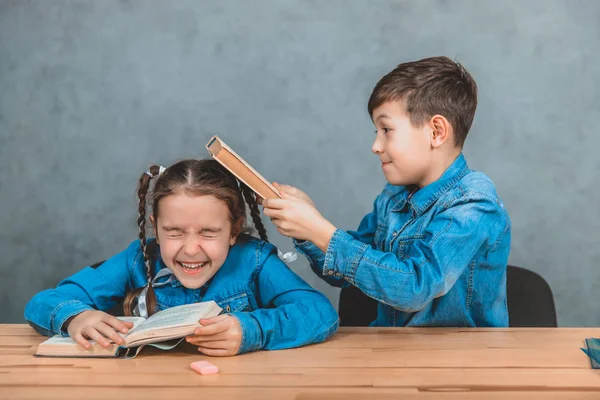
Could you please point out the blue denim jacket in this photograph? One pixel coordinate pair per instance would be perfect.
(432, 257)
(275, 307)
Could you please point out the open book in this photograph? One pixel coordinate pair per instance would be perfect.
(172, 323)
(241, 169)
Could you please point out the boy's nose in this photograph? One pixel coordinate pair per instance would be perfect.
(377, 148)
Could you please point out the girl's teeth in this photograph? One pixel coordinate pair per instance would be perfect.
(192, 266)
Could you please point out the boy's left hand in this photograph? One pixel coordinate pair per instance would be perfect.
(218, 336)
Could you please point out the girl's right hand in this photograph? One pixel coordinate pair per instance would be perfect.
(98, 326)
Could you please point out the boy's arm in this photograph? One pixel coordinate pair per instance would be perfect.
(316, 257)
(91, 288)
(432, 263)
(292, 313)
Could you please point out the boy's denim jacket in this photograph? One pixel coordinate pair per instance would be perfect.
(275, 307)
(432, 257)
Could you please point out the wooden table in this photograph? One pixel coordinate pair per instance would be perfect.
(357, 363)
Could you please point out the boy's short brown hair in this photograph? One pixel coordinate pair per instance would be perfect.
(431, 86)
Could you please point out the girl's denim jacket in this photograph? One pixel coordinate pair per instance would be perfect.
(275, 307)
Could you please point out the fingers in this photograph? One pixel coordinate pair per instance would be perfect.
(213, 329)
(80, 340)
(216, 344)
(216, 352)
(274, 203)
(109, 332)
(287, 189)
(117, 324)
(273, 213)
(213, 320)
(203, 340)
(92, 333)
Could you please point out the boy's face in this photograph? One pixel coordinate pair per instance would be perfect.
(404, 150)
(194, 234)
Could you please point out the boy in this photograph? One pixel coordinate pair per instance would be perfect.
(434, 250)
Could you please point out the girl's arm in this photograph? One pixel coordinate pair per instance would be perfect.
(293, 314)
(98, 288)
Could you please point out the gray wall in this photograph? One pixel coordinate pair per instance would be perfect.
(92, 92)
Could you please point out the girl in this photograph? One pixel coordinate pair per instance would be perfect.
(200, 253)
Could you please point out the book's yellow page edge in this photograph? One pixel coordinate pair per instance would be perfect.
(240, 159)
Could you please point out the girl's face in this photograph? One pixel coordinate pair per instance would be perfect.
(194, 234)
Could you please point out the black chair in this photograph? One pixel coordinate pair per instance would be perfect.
(529, 297)
(356, 308)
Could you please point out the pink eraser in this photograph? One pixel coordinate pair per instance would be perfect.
(204, 368)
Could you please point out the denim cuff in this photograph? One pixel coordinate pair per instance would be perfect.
(310, 250)
(251, 332)
(63, 312)
(343, 256)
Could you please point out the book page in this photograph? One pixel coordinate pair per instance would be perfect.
(185, 315)
(60, 340)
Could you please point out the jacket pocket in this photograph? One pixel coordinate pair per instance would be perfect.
(403, 245)
(235, 303)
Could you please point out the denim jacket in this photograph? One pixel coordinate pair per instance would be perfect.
(275, 307)
(431, 257)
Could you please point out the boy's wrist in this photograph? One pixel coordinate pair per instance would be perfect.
(323, 235)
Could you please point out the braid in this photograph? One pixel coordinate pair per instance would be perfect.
(143, 186)
(250, 198)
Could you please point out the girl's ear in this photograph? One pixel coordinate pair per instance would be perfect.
(236, 229)
(154, 228)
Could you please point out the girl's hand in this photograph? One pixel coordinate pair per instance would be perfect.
(98, 326)
(218, 336)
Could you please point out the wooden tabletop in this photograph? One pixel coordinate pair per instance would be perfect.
(357, 363)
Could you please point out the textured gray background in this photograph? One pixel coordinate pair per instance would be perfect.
(92, 92)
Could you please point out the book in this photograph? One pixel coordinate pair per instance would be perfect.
(158, 330)
(241, 169)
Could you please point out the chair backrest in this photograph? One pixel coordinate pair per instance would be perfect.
(529, 297)
(356, 308)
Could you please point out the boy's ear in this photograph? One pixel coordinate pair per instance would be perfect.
(441, 130)
(154, 228)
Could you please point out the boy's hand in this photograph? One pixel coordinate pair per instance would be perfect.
(299, 219)
(218, 336)
(292, 192)
(98, 326)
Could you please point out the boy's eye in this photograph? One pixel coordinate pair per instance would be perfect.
(210, 236)
(174, 235)
(385, 130)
